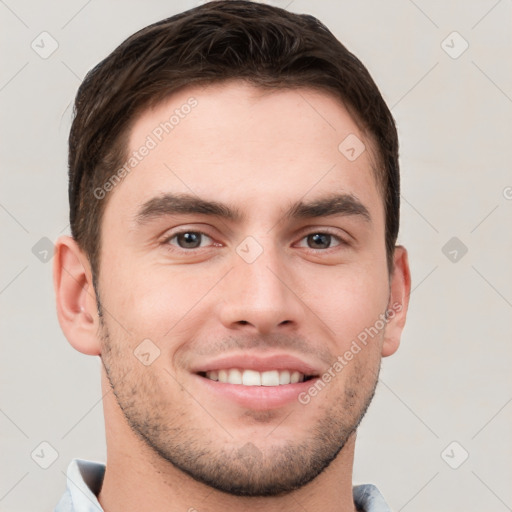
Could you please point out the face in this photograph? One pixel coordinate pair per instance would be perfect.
(243, 255)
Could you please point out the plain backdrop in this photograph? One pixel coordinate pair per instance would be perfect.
(438, 435)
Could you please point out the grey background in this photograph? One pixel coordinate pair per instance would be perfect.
(450, 380)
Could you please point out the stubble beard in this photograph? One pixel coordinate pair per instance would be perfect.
(242, 469)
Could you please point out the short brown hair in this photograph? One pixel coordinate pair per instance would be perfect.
(222, 40)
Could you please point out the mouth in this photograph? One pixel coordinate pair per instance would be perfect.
(257, 382)
(248, 377)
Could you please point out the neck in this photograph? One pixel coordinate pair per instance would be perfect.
(136, 478)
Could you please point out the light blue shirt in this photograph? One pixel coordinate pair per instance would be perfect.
(84, 479)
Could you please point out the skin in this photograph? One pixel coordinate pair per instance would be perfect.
(167, 433)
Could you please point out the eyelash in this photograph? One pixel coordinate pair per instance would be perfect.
(167, 240)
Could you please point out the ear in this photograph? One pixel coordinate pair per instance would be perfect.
(400, 289)
(76, 301)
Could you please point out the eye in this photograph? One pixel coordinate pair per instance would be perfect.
(321, 241)
(188, 239)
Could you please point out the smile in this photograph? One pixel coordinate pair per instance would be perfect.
(247, 377)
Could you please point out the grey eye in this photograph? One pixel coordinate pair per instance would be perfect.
(188, 239)
(319, 240)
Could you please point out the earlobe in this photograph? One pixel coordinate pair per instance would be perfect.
(75, 297)
(400, 289)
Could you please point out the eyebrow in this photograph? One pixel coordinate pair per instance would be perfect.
(176, 204)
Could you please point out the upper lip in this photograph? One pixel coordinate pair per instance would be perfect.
(259, 363)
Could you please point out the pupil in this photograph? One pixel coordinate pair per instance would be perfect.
(320, 240)
(190, 240)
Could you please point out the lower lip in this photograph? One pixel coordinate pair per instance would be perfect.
(259, 398)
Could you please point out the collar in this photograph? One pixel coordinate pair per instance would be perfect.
(85, 477)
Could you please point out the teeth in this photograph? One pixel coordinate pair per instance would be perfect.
(254, 378)
(284, 377)
(295, 377)
(235, 376)
(270, 378)
(251, 378)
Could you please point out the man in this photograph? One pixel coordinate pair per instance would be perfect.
(234, 198)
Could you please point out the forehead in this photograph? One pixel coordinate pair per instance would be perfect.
(234, 142)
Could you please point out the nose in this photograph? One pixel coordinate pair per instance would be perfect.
(260, 296)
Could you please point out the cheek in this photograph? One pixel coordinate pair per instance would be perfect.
(349, 301)
(156, 300)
